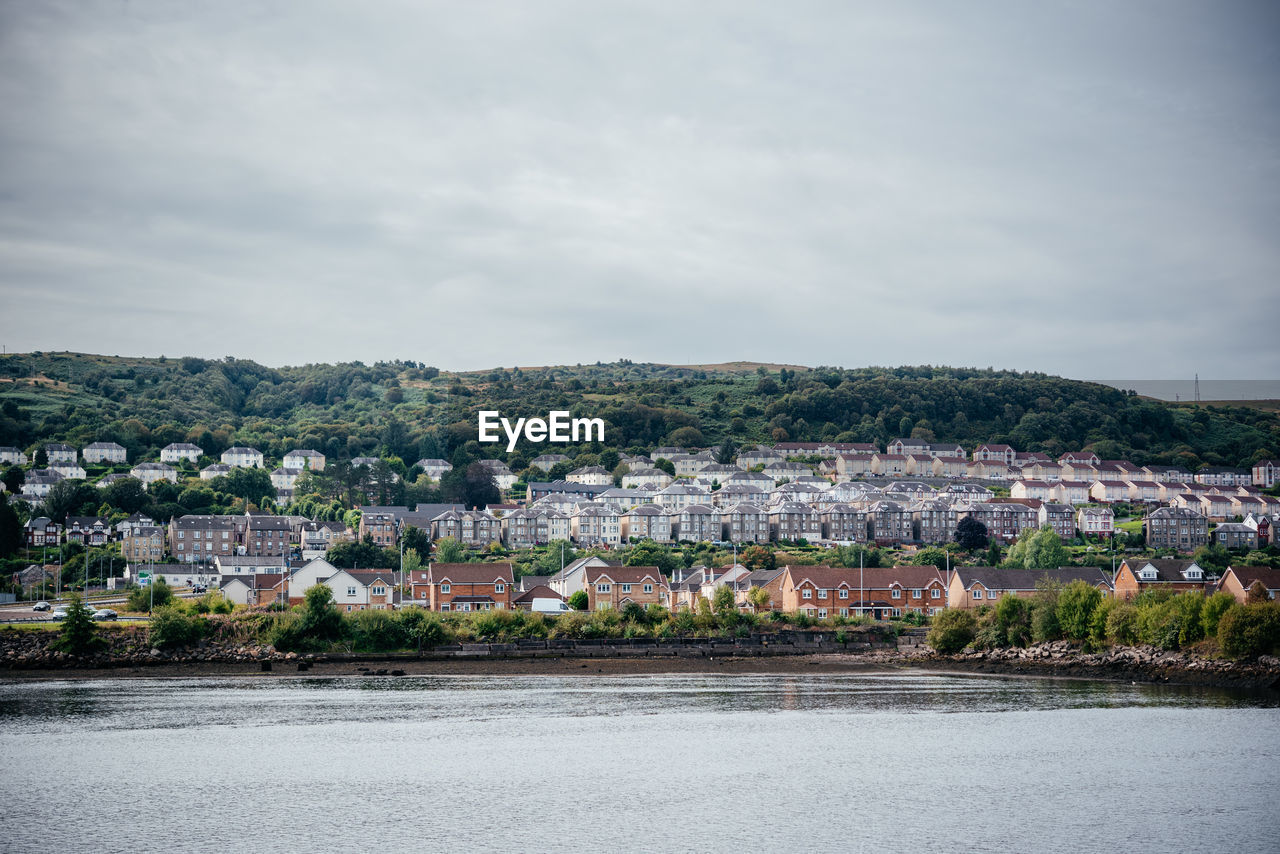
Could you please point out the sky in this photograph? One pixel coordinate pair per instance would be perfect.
(1089, 189)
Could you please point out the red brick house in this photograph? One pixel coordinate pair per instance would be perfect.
(615, 586)
(1238, 579)
(464, 586)
(1138, 574)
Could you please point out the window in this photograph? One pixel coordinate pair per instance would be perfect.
(897, 612)
(844, 594)
(626, 588)
(603, 588)
(935, 592)
(379, 590)
(822, 613)
(351, 591)
(896, 593)
(444, 588)
(499, 587)
(844, 612)
(444, 607)
(648, 588)
(808, 594)
(822, 594)
(917, 593)
(977, 594)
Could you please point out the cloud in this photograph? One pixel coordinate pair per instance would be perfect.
(469, 185)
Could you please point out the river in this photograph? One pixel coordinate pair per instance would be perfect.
(909, 761)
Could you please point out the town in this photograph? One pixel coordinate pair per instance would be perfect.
(932, 509)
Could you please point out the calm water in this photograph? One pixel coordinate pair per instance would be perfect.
(912, 762)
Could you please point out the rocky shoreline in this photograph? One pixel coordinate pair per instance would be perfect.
(24, 655)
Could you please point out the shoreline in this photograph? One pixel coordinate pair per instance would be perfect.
(1166, 670)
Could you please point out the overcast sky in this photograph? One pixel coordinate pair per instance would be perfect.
(1089, 189)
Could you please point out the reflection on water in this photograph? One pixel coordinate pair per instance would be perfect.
(690, 762)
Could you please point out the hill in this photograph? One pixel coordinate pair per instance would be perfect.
(409, 410)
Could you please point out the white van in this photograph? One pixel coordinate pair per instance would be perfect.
(549, 606)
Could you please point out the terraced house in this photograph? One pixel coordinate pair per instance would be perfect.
(1179, 528)
(746, 522)
(697, 523)
(466, 587)
(647, 522)
(615, 586)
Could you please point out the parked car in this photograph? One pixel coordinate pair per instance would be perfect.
(59, 614)
(105, 614)
(549, 605)
(41, 606)
(199, 588)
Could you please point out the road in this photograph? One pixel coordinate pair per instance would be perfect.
(20, 612)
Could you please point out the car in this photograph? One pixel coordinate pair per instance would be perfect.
(59, 613)
(199, 588)
(41, 606)
(105, 614)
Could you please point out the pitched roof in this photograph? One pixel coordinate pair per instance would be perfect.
(624, 574)
(995, 578)
(470, 573)
(1247, 575)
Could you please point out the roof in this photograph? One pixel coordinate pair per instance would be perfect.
(994, 578)
(1167, 569)
(470, 573)
(538, 591)
(624, 574)
(1247, 575)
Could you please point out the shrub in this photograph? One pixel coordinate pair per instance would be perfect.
(1212, 610)
(321, 619)
(1098, 622)
(1189, 606)
(376, 631)
(79, 634)
(1122, 624)
(952, 630)
(1159, 624)
(172, 627)
(426, 629)
(157, 594)
(1245, 631)
(1076, 604)
(1011, 621)
(578, 600)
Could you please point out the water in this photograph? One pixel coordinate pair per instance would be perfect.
(915, 762)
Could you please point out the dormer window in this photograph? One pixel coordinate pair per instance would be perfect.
(1147, 574)
(1194, 574)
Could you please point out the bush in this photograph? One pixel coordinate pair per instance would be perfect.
(376, 631)
(952, 630)
(1159, 624)
(79, 634)
(172, 627)
(1011, 621)
(1076, 605)
(158, 594)
(1246, 631)
(1122, 624)
(321, 619)
(1189, 606)
(425, 628)
(1212, 610)
(578, 600)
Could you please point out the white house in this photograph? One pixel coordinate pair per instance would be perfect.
(60, 453)
(12, 456)
(213, 470)
(176, 452)
(240, 457)
(149, 473)
(70, 471)
(104, 452)
(304, 459)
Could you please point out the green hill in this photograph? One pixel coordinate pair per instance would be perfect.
(409, 410)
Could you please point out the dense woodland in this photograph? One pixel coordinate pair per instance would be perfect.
(405, 410)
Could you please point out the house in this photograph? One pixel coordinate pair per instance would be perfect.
(1236, 535)
(1081, 472)
(994, 453)
(503, 477)
(301, 579)
(1109, 491)
(946, 451)
(546, 462)
(534, 526)
(69, 471)
(919, 465)
(975, 586)
(285, 479)
(794, 521)
(785, 471)
(318, 537)
(1096, 522)
(470, 527)
(687, 465)
(596, 524)
(616, 586)
(1005, 520)
(950, 467)
(12, 456)
(256, 590)
(1071, 492)
(304, 459)
(466, 587)
(143, 544)
(524, 601)
(717, 473)
(1044, 470)
(1038, 489)
(1060, 517)
(844, 523)
(1238, 579)
(176, 452)
(750, 458)
(1143, 491)
(41, 531)
(760, 480)
(890, 523)
(1266, 473)
(881, 592)
(89, 530)
(241, 457)
(149, 473)
(746, 522)
(104, 452)
(935, 521)
(1216, 507)
(592, 475)
(213, 470)
(770, 580)
(362, 589)
(992, 469)
(646, 477)
(434, 468)
(1087, 458)
(697, 523)
(198, 538)
(573, 577)
(57, 452)
(849, 466)
(647, 522)
(681, 494)
(905, 447)
(267, 536)
(1138, 574)
(38, 483)
(888, 465)
(1167, 474)
(575, 491)
(1222, 476)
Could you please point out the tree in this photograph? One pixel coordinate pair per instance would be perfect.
(417, 539)
(952, 630)
(365, 554)
(723, 602)
(127, 495)
(759, 598)
(993, 553)
(449, 550)
(971, 534)
(649, 553)
(71, 498)
(251, 484)
(41, 458)
(321, 619)
(757, 558)
(687, 437)
(1076, 604)
(13, 478)
(663, 464)
(474, 488)
(79, 634)
(1041, 549)
(724, 454)
(578, 600)
(932, 556)
(1257, 592)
